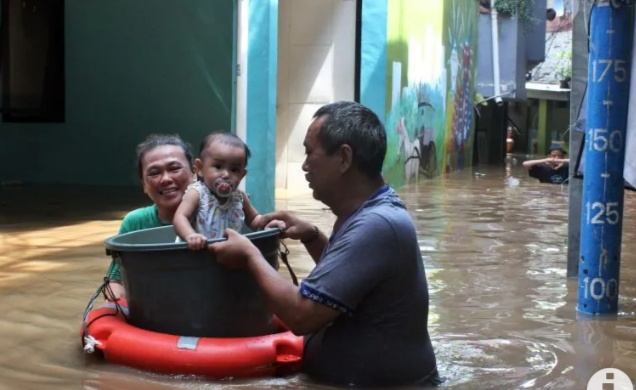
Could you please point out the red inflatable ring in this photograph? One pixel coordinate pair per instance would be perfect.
(107, 331)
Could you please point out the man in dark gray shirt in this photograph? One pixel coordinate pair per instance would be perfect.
(364, 307)
(372, 271)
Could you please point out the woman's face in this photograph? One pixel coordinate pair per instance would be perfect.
(165, 176)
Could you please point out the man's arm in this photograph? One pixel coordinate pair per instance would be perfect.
(315, 245)
(302, 315)
(296, 229)
(530, 163)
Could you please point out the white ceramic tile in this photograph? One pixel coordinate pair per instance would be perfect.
(282, 137)
(310, 22)
(299, 119)
(344, 46)
(310, 74)
(312, 34)
(296, 183)
(281, 173)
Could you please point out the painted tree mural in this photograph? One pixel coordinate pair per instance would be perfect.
(430, 87)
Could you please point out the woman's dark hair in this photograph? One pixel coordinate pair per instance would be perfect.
(155, 140)
(227, 139)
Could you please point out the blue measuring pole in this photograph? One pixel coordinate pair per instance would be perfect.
(611, 35)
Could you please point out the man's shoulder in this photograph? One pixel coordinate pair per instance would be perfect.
(386, 215)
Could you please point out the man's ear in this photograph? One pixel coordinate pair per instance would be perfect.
(346, 156)
(143, 186)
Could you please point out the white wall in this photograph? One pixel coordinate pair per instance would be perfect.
(316, 65)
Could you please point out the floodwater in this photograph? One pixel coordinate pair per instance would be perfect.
(502, 311)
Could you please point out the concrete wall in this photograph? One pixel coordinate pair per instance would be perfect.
(512, 57)
(577, 104)
(132, 68)
(521, 47)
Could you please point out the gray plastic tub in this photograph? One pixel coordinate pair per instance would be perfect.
(171, 289)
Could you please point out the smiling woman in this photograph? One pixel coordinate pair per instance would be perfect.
(165, 170)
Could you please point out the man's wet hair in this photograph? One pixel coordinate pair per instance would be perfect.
(227, 139)
(355, 125)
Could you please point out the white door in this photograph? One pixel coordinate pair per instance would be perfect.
(316, 66)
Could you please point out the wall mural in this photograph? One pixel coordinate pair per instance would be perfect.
(429, 88)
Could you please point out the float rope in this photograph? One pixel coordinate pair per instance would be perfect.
(89, 341)
(283, 256)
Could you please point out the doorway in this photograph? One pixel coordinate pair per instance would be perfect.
(316, 66)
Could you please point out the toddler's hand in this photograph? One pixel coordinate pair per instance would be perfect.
(276, 223)
(196, 241)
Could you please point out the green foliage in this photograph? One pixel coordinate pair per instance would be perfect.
(564, 70)
(521, 8)
(480, 100)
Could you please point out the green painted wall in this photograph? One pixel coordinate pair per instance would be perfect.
(427, 81)
(556, 122)
(132, 68)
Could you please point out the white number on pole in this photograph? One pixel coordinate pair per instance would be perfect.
(599, 140)
(602, 213)
(620, 72)
(604, 65)
(598, 289)
(616, 141)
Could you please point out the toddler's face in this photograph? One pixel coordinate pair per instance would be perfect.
(222, 167)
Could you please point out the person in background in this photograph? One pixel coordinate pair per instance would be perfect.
(165, 169)
(554, 169)
(484, 6)
(364, 307)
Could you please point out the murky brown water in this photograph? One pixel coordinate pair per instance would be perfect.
(502, 313)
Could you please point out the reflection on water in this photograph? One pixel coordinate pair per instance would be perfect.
(502, 313)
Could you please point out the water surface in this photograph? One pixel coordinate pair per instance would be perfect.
(502, 311)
